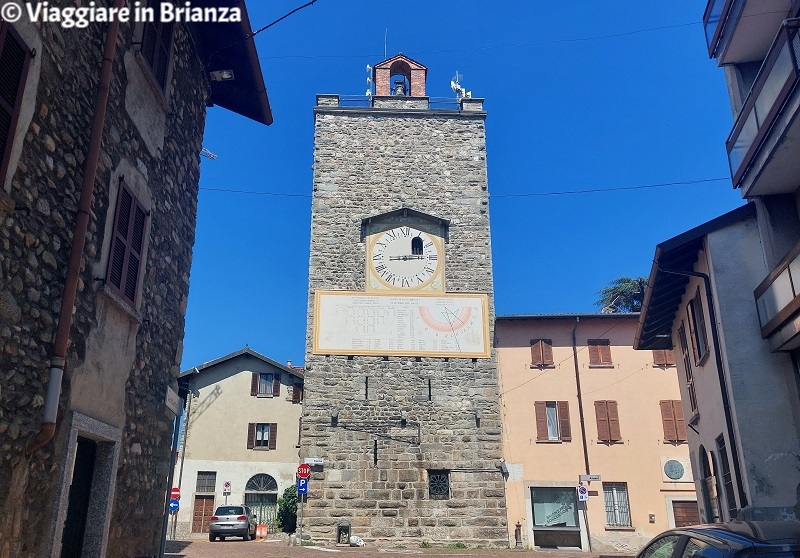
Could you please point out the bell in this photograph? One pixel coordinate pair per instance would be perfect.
(399, 88)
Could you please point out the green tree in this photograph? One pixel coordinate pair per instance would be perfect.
(624, 294)
(287, 510)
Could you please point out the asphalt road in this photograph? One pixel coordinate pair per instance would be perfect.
(236, 548)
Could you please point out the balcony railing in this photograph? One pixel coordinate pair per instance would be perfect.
(778, 296)
(714, 22)
(774, 83)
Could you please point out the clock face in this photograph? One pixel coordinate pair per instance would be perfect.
(405, 257)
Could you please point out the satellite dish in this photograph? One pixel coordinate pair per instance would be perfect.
(369, 68)
(369, 79)
(455, 85)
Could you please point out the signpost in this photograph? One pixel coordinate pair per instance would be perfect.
(303, 472)
(583, 494)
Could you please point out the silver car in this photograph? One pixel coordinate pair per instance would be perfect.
(232, 521)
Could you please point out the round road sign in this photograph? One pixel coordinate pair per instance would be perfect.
(174, 505)
(303, 471)
(175, 493)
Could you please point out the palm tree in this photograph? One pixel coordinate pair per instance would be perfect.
(624, 294)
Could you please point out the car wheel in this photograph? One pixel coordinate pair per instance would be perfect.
(211, 537)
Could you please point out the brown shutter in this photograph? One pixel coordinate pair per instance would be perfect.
(273, 435)
(601, 412)
(14, 61)
(254, 384)
(251, 435)
(536, 352)
(692, 337)
(669, 357)
(594, 352)
(547, 351)
(680, 422)
(127, 247)
(276, 385)
(605, 351)
(668, 421)
(563, 421)
(541, 420)
(297, 393)
(701, 320)
(659, 357)
(135, 247)
(613, 421)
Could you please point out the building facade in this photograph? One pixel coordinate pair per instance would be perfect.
(740, 397)
(241, 438)
(401, 381)
(100, 135)
(578, 400)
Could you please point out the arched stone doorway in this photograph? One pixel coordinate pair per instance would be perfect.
(261, 495)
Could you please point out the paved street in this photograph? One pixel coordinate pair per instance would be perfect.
(237, 548)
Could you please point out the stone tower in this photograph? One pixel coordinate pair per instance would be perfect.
(401, 400)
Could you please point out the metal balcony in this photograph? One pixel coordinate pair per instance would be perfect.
(778, 300)
(740, 31)
(763, 145)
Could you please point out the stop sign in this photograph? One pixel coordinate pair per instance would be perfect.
(303, 471)
(175, 494)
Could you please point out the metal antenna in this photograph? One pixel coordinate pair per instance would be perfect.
(385, 33)
(206, 153)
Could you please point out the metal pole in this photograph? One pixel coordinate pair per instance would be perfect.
(300, 519)
(170, 477)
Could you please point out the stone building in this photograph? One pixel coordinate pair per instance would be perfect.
(241, 438)
(100, 136)
(401, 401)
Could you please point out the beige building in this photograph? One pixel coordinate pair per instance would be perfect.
(241, 438)
(577, 399)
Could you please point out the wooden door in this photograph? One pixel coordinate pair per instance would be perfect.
(686, 513)
(203, 510)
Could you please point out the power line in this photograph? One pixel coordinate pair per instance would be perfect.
(529, 194)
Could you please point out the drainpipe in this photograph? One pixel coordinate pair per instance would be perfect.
(580, 395)
(723, 384)
(61, 342)
(583, 428)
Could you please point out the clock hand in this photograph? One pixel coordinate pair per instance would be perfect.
(406, 258)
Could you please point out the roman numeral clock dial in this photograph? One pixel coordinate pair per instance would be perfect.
(404, 258)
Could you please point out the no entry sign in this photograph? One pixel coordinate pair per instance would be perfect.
(175, 494)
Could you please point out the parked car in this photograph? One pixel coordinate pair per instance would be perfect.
(232, 521)
(737, 539)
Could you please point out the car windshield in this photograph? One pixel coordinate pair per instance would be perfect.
(229, 510)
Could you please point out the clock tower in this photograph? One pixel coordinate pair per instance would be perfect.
(401, 396)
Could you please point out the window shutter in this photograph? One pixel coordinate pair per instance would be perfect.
(297, 393)
(127, 246)
(251, 435)
(669, 357)
(536, 352)
(701, 321)
(692, 335)
(668, 421)
(276, 385)
(601, 412)
(613, 421)
(605, 351)
(156, 47)
(541, 420)
(273, 435)
(563, 421)
(659, 357)
(14, 60)
(254, 384)
(547, 351)
(680, 422)
(594, 352)
(135, 256)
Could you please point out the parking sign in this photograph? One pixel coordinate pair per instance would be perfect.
(302, 486)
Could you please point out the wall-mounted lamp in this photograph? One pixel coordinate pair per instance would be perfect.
(478, 415)
(221, 75)
(334, 417)
(503, 468)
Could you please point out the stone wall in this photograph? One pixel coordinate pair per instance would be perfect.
(37, 216)
(378, 450)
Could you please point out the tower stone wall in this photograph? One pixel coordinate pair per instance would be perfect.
(382, 423)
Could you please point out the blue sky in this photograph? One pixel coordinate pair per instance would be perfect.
(580, 95)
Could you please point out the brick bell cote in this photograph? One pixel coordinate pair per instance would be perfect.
(399, 76)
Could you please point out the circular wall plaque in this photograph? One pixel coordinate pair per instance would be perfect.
(673, 469)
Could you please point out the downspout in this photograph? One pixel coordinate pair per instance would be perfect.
(723, 384)
(61, 343)
(580, 396)
(583, 428)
